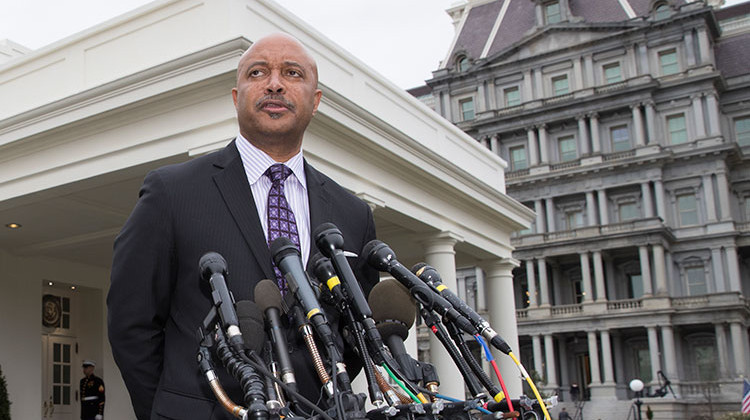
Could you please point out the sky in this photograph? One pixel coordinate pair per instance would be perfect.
(403, 40)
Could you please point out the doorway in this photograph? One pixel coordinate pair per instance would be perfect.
(59, 389)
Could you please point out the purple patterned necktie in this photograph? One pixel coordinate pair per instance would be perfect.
(281, 221)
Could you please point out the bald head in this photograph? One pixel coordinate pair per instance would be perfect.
(276, 95)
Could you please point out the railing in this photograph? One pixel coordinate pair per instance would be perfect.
(742, 227)
(618, 155)
(690, 301)
(566, 309)
(611, 87)
(564, 165)
(516, 174)
(701, 388)
(617, 305)
(522, 313)
(588, 232)
(559, 98)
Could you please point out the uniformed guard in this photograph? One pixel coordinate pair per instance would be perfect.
(92, 393)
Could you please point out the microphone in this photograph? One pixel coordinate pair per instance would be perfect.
(268, 297)
(287, 258)
(251, 324)
(381, 257)
(394, 312)
(430, 275)
(213, 268)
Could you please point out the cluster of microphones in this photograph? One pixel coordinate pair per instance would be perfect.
(248, 339)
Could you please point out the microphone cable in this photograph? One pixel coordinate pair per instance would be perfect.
(491, 359)
(471, 361)
(531, 385)
(206, 365)
(249, 380)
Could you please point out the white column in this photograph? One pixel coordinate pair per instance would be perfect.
(596, 143)
(528, 86)
(700, 127)
(603, 208)
(481, 98)
(708, 195)
(661, 210)
(637, 125)
(670, 356)
(539, 85)
(645, 270)
(722, 188)
(549, 203)
(491, 100)
(660, 272)
(630, 61)
(643, 51)
(653, 351)
(439, 252)
(539, 209)
(609, 372)
(717, 267)
(648, 203)
(502, 317)
(594, 359)
(533, 150)
(733, 269)
(494, 144)
(601, 291)
(739, 348)
(650, 121)
(588, 294)
(577, 74)
(543, 145)
(536, 344)
(713, 114)
(704, 47)
(583, 134)
(543, 282)
(588, 64)
(531, 284)
(721, 348)
(564, 376)
(549, 352)
(590, 209)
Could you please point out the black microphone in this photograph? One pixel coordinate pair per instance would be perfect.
(287, 258)
(381, 257)
(394, 311)
(251, 324)
(430, 275)
(330, 242)
(268, 297)
(213, 268)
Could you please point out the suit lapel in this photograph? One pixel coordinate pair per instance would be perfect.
(232, 183)
(319, 202)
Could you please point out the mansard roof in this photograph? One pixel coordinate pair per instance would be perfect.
(732, 54)
(518, 20)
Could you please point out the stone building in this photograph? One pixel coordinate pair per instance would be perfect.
(625, 125)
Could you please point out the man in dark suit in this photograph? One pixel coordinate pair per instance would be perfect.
(217, 202)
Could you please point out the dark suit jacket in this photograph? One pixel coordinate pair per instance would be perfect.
(157, 298)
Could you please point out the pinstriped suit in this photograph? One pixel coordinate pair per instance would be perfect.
(157, 300)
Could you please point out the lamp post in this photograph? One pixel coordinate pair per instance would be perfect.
(636, 385)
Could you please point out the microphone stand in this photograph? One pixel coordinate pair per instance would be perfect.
(472, 362)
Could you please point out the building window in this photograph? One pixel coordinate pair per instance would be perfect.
(462, 63)
(662, 11)
(567, 148)
(612, 73)
(518, 158)
(628, 211)
(552, 12)
(636, 286)
(467, 109)
(512, 96)
(620, 136)
(560, 85)
(677, 129)
(696, 281)
(574, 219)
(687, 209)
(643, 363)
(742, 131)
(668, 62)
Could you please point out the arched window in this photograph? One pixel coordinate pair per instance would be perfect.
(462, 63)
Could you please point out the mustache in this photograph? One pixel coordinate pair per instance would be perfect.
(274, 98)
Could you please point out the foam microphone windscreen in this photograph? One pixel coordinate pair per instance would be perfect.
(267, 295)
(251, 325)
(393, 309)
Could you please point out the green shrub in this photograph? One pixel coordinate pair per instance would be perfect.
(735, 416)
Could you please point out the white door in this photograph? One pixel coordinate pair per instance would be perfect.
(60, 378)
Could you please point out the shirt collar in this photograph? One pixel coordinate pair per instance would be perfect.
(256, 162)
